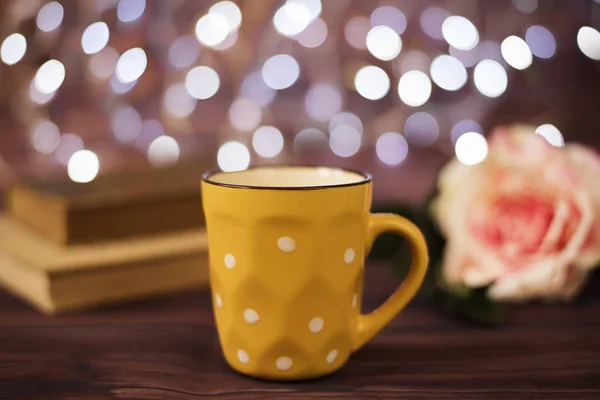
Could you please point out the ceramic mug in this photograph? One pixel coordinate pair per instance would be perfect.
(286, 247)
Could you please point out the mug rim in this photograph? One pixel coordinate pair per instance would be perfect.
(366, 178)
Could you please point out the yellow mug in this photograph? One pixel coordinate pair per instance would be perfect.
(286, 251)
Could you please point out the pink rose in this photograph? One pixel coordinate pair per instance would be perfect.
(525, 221)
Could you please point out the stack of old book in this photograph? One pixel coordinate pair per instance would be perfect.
(68, 246)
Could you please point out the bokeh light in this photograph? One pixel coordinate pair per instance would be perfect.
(38, 97)
(551, 134)
(526, 6)
(309, 138)
(490, 78)
(50, 16)
(391, 148)
(471, 148)
(389, 16)
(322, 102)
(13, 49)
(448, 73)
(69, 144)
(178, 102)
(50, 76)
(346, 118)
(460, 33)
(255, 88)
(119, 87)
(314, 7)
(468, 58)
(280, 71)
(126, 124)
(291, 18)
(245, 114)
(184, 51)
(356, 31)
(83, 166)
(267, 141)
(541, 41)
(314, 35)
(95, 37)
(516, 52)
(163, 151)
(588, 40)
(102, 65)
(421, 129)
(233, 156)
(345, 141)
(131, 65)
(414, 60)
(383, 43)
(372, 82)
(130, 10)
(464, 126)
(414, 88)
(45, 137)
(431, 21)
(212, 29)
(202, 82)
(230, 11)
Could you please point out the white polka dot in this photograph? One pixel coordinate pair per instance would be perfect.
(229, 261)
(251, 316)
(349, 256)
(354, 300)
(218, 301)
(316, 324)
(284, 363)
(286, 244)
(331, 356)
(243, 356)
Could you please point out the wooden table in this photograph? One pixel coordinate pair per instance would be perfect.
(168, 349)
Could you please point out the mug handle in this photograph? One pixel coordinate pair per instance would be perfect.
(368, 325)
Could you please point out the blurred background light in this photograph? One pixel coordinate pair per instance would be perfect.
(202, 82)
(471, 148)
(50, 16)
(526, 6)
(131, 65)
(551, 134)
(291, 18)
(460, 33)
(389, 16)
(244, 114)
(69, 144)
(267, 141)
(45, 137)
(50, 76)
(102, 65)
(541, 41)
(119, 87)
(448, 73)
(178, 102)
(414, 60)
(184, 51)
(431, 21)
(414, 88)
(516, 52)
(212, 29)
(314, 7)
(83, 166)
(130, 10)
(233, 156)
(254, 88)
(588, 40)
(163, 151)
(421, 129)
(372, 82)
(280, 71)
(309, 138)
(345, 141)
(490, 78)
(356, 31)
(13, 49)
(468, 58)
(314, 35)
(383, 43)
(391, 148)
(322, 102)
(38, 97)
(126, 124)
(95, 37)
(464, 126)
(230, 11)
(346, 118)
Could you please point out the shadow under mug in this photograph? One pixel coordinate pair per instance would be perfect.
(286, 253)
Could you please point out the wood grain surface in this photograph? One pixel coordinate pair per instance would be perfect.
(168, 349)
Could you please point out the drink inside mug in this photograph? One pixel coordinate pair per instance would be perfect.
(288, 177)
